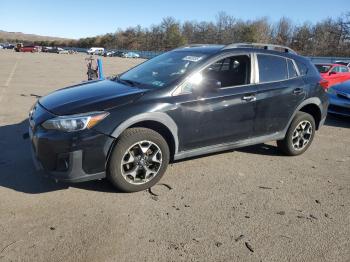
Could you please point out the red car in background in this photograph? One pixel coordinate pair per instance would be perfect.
(333, 73)
(29, 48)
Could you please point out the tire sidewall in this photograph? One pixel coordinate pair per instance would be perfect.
(122, 145)
(301, 116)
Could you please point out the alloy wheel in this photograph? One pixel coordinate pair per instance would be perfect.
(141, 162)
(302, 135)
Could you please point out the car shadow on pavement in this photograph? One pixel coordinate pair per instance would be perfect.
(17, 171)
(337, 121)
(97, 185)
(262, 149)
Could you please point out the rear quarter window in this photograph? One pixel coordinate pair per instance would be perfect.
(303, 69)
(272, 68)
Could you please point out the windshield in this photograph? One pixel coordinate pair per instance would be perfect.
(164, 69)
(323, 68)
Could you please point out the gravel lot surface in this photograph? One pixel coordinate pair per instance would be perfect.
(251, 204)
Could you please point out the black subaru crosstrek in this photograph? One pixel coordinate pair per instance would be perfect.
(191, 101)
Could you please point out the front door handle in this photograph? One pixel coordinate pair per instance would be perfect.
(249, 98)
(298, 90)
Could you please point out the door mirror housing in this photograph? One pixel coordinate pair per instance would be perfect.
(332, 73)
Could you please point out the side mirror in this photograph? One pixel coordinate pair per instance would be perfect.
(332, 73)
(206, 85)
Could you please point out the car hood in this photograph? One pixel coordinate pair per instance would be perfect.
(90, 96)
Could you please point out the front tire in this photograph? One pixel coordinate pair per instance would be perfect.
(139, 160)
(299, 136)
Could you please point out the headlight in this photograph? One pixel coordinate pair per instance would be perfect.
(73, 123)
(31, 110)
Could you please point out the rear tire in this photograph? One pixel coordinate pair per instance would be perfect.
(139, 160)
(299, 136)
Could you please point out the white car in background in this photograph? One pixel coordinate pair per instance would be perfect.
(62, 51)
(96, 51)
(131, 55)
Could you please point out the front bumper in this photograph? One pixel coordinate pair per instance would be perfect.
(70, 157)
(74, 174)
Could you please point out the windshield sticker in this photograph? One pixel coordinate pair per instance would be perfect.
(192, 58)
(157, 83)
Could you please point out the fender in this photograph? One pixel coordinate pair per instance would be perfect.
(160, 117)
(312, 100)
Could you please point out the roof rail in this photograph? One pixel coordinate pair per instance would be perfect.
(263, 46)
(196, 45)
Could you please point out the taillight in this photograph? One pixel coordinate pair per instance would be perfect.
(324, 83)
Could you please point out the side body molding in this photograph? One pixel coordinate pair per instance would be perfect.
(160, 117)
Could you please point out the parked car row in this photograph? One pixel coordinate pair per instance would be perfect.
(19, 47)
(7, 46)
(111, 53)
(121, 54)
(57, 50)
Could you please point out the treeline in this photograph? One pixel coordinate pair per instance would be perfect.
(329, 37)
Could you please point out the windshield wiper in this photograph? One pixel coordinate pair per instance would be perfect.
(126, 81)
(130, 82)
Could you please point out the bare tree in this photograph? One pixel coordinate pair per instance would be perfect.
(224, 27)
(262, 30)
(283, 31)
(328, 37)
(302, 40)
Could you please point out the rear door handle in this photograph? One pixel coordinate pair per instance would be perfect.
(249, 98)
(298, 90)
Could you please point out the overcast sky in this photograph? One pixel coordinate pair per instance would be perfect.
(75, 19)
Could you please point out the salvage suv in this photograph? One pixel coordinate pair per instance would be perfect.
(191, 101)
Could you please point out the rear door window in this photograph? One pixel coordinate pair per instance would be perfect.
(272, 68)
